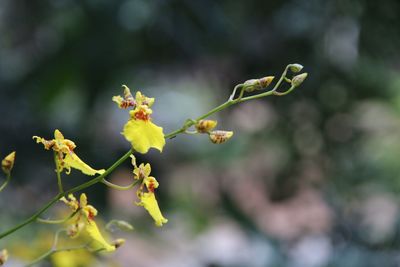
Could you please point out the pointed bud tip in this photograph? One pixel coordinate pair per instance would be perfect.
(295, 67)
(8, 162)
(299, 79)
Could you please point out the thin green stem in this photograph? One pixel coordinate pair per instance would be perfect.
(8, 178)
(70, 191)
(186, 125)
(58, 171)
(57, 221)
(119, 187)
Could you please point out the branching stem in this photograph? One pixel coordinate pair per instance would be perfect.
(101, 178)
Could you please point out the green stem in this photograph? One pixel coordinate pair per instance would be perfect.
(59, 182)
(119, 187)
(70, 191)
(57, 221)
(8, 178)
(186, 125)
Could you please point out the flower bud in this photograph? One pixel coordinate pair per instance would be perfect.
(252, 85)
(219, 137)
(257, 84)
(266, 81)
(8, 163)
(295, 67)
(3, 256)
(299, 79)
(204, 126)
(118, 242)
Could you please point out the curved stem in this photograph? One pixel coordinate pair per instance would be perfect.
(59, 182)
(119, 187)
(186, 125)
(70, 191)
(57, 221)
(8, 178)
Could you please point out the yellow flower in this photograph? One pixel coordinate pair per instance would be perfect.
(66, 157)
(3, 256)
(73, 258)
(148, 199)
(85, 221)
(140, 131)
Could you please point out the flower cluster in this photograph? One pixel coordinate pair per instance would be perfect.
(140, 131)
(65, 155)
(85, 221)
(145, 192)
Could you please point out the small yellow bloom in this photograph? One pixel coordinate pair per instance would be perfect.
(3, 256)
(146, 190)
(66, 156)
(8, 163)
(149, 202)
(140, 131)
(85, 221)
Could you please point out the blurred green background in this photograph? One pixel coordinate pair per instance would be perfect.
(308, 180)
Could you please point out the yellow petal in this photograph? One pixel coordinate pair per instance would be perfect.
(72, 160)
(149, 202)
(94, 233)
(58, 135)
(143, 135)
(72, 258)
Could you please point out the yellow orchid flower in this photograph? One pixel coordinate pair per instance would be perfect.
(140, 131)
(148, 199)
(66, 157)
(3, 256)
(85, 221)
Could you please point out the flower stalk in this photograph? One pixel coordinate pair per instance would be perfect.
(146, 103)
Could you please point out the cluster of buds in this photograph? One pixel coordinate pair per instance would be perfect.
(216, 136)
(3, 256)
(8, 163)
(298, 79)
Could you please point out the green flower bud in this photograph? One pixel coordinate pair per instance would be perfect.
(295, 67)
(299, 79)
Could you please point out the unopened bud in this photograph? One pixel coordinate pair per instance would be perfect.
(257, 84)
(205, 126)
(8, 163)
(266, 81)
(219, 137)
(3, 256)
(295, 67)
(118, 242)
(299, 79)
